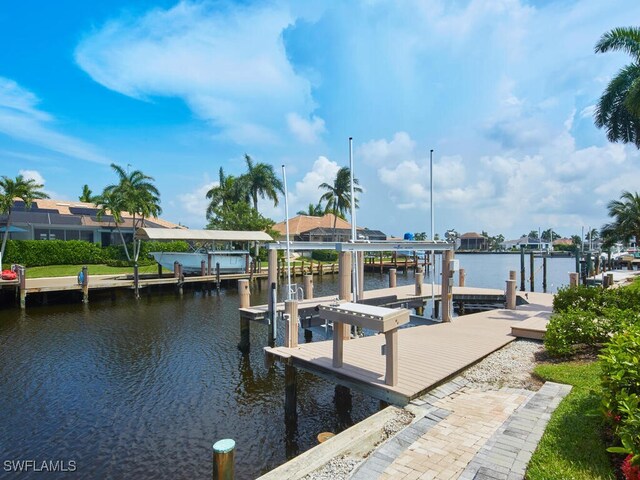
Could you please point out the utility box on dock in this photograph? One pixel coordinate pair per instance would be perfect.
(454, 265)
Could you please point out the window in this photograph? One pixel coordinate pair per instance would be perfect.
(86, 236)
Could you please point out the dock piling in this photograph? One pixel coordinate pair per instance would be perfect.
(462, 276)
(203, 268)
(544, 274)
(573, 279)
(511, 295)
(291, 323)
(344, 288)
(522, 281)
(22, 275)
(447, 256)
(223, 459)
(290, 394)
(419, 280)
(532, 281)
(360, 256)
(218, 277)
(85, 284)
(392, 277)
(245, 302)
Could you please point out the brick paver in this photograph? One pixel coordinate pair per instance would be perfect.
(467, 433)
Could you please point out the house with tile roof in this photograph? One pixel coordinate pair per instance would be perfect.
(69, 220)
(306, 228)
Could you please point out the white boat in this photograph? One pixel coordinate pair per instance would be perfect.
(203, 243)
(231, 261)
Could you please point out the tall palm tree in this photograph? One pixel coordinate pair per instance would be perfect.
(618, 110)
(229, 190)
(87, 195)
(313, 210)
(110, 203)
(136, 194)
(338, 195)
(261, 180)
(626, 218)
(26, 190)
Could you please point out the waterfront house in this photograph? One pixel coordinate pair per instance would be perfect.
(473, 241)
(306, 228)
(68, 220)
(528, 243)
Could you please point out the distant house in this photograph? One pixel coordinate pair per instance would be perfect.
(473, 241)
(306, 228)
(64, 220)
(528, 243)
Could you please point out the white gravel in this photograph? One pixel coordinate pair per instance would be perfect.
(510, 366)
(340, 468)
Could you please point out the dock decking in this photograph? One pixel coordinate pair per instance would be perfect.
(427, 355)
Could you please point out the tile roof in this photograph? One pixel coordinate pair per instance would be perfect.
(305, 223)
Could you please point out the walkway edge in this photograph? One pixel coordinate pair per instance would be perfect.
(357, 440)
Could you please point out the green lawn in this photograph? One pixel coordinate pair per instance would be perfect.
(72, 270)
(572, 447)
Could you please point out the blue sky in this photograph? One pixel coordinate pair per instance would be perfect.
(502, 90)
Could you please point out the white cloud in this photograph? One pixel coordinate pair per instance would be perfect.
(228, 63)
(307, 131)
(306, 191)
(32, 175)
(380, 152)
(195, 202)
(21, 119)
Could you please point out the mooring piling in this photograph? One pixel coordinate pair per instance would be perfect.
(392, 277)
(224, 459)
(245, 302)
(85, 284)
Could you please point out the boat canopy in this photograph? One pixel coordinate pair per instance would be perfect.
(201, 235)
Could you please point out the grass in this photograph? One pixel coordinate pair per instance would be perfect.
(572, 447)
(72, 270)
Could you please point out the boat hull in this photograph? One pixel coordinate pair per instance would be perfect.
(230, 262)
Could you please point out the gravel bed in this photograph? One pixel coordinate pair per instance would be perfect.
(337, 469)
(510, 366)
(340, 468)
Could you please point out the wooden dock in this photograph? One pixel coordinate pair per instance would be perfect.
(396, 296)
(428, 354)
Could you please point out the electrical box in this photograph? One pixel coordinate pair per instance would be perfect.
(454, 265)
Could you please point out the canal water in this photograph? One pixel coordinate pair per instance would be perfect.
(143, 389)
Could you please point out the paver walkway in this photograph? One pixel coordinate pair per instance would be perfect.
(467, 433)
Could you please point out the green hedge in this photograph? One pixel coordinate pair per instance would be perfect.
(324, 255)
(588, 317)
(621, 390)
(36, 253)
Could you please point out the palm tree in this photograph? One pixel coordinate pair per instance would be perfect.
(229, 190)
(313, 210)
(87, 196)
(338, 195)
(626, 218)
(110, 203)
(618, 110)
(136, 194)
(261, 180)
(26, 190)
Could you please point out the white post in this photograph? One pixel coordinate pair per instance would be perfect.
(354, 255)
(286, 215)
(433, 254)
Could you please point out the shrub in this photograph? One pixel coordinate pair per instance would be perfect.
(587, 328)
(596, 300)
(621, 386)
(324, 255)
(34, 253)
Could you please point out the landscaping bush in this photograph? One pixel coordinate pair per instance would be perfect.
(34, 253)
(324, 255)
(596, 299)
(574, 328)
(621, 386)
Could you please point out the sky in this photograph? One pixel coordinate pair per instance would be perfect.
(503, 91)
